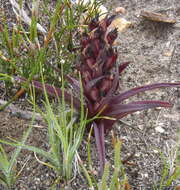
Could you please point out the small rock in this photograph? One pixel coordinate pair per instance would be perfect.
(177, 26)
(168, 53)
(121, 24)
(155, 151)
(141, 127)
(146, 175)
(120, 10)
(157, 17)
(160, 129)
(137, 154)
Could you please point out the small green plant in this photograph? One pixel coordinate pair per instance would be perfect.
(8, 171)
(170, 171)
(65, 133)
(116, 182)
(47, 37)
(100, 82)
(168, 179)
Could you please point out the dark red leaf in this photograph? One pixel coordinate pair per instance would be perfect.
(97, 33)
(94, 94)
(53, 91)
(105, 101)
(108, 125)
(85, 39)
(114, 84)
(119, 98)
(122, 66)
(93, 82)
(118, 110)
(110, 62)
(104, 23)
(109, 20)
(111, 36)
(90, 63)
(86, 77)
(99, 136)
(94, 23)
(105, 85)
(110, 58)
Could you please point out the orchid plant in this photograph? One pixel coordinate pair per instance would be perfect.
(100, 81)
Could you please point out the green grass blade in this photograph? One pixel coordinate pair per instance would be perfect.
(87, 175)
(173, 177)
(4, 163)
(89, 149)
(117, 165)
(103, 185)
(30, 148)
(165, 172)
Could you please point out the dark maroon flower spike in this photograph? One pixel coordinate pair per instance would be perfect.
(100, 81)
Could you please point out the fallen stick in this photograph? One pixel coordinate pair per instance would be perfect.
(15, 111)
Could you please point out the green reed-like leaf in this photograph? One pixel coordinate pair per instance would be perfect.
(117, 165)
(103, 184)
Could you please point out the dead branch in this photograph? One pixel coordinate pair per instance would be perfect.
(15, 111)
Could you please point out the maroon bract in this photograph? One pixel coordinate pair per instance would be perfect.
(100, 81)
